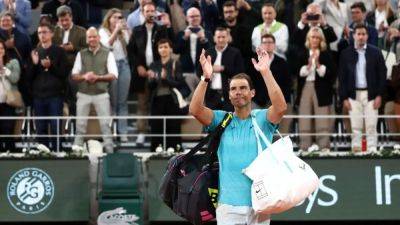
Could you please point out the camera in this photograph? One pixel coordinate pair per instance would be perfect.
(312, 17)
(194, 29)
(156, 17)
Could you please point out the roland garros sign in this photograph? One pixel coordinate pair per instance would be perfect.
(30, 190)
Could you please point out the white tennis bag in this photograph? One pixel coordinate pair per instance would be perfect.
(281, 180)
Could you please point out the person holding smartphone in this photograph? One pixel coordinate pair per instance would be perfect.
(72, 39)
(114, 35)
(189, 43)
(313, 17)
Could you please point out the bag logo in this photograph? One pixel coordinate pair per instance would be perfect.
(261, 191)
(214, 196)
(117, 216)
(30, 190)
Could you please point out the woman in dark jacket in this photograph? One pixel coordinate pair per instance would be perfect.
(10, 72)
(316, 78)
(164, 75)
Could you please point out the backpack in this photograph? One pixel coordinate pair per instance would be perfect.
(190, 185)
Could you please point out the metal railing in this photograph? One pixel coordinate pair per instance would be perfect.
(66, 130)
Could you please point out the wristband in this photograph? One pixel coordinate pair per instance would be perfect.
(203, 78)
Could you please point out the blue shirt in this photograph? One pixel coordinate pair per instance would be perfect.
(237, 149)
(361, 68)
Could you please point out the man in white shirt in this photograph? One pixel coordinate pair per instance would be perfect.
(93, 70)
(271, 26)
(69, 36)
(137, 18)
(189, 44)
(227, 62)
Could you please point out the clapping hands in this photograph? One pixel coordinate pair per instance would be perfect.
(206, 64)
(90, 77)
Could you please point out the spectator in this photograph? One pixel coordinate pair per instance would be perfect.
(271, 26)
(289, 12)
(9, 75)
(18, 47)
(358, 12)
(143, 51)
(189, 44)
(313, 17)
(17, 43)
(389, 100)
(315, 89)
(240, 32)
(34, 36)
(227, 62)
(393, 36)
(248, 14)
(161, 6)
(69, 36)
(394, 126)
(94, 69)
(209, 11)
(369, 4)
(361, 86)
(114, 35)
(21, 10)
(381, 18)
(78, 14)
(336, 16)
(164, 74)
(137, 18)
(48, 80)
(72, 39)
(280, 70)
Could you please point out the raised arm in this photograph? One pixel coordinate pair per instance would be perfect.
(197, 108)
(278, 107)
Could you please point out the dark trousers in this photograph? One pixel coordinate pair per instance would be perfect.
(7, 128)
(164, 106)
(48, 107)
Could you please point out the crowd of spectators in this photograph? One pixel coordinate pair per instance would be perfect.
(328, 56)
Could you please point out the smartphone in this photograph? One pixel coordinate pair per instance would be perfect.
(312, 17)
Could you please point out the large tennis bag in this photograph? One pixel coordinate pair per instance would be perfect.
(190, 185)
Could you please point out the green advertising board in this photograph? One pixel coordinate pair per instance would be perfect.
(350, 189)
(44, 190)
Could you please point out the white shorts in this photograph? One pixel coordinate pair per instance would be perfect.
(239, 215)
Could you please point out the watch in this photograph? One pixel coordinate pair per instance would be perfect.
(203, 78)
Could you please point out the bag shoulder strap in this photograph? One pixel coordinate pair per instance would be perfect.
(259, 133)
(212, 148)
(215, 134)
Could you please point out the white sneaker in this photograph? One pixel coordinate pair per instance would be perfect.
(325, 150)
(372, 150)
(123, 138)
(313, 148)
(140, 138)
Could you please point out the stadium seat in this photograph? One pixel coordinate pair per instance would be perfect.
(121, 184)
